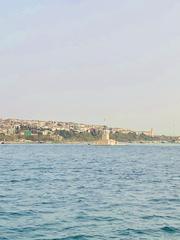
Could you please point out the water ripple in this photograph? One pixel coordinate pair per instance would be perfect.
(56, 192)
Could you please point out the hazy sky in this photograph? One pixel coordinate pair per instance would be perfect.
(86, 60)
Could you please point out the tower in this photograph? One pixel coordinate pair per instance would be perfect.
(105, 135)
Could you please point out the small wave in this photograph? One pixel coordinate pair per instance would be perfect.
(17, 214)
(165, 200)
(21, 180)
(97, 218)
(152, 217)
(169, 229)
(3, 196)
(130, 231)
(78, 237)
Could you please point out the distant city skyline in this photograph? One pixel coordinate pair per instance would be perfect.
(85, 61)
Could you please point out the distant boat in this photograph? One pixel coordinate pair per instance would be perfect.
(2, 142)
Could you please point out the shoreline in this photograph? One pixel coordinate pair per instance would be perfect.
(89, 143)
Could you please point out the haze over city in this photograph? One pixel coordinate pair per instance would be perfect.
(86, 61)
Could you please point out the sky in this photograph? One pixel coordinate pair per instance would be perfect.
(113, 62)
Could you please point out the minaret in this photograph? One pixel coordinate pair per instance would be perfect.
(152, 132)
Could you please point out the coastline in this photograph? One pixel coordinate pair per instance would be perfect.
(86, 143)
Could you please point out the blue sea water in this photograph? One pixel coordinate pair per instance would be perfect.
(52, 192)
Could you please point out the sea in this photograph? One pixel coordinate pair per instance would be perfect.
(86, 192)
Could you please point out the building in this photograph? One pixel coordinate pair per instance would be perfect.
(149, 133)
(106, 138)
